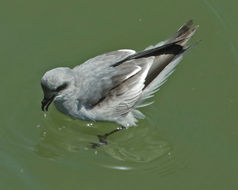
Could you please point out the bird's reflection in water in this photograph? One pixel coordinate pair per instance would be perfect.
(131, 149)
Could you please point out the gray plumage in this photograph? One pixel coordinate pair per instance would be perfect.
(112, 86)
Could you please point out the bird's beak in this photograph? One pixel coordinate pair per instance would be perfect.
(45, 103)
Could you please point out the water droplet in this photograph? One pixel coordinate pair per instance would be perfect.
(89, 124)
(44, 133)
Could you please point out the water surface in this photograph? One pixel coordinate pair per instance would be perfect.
(189, 137)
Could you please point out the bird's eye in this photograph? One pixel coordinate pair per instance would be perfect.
(62, 87)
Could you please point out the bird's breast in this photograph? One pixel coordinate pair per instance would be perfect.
(74, 109)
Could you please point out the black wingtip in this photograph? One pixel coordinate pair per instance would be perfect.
(189, 22)
(184, 28)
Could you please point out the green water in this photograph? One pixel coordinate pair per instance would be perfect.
(189, 137)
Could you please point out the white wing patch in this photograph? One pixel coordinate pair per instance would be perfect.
(138, 68)
(128, 50)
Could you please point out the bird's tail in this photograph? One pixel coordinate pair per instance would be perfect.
(167, 55)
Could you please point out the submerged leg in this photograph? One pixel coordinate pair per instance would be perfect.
(103, 138)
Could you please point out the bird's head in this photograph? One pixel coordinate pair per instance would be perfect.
(54, 83)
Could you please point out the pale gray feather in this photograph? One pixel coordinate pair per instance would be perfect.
(99, 78)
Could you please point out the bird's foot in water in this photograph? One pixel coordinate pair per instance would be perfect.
(103, 138)
(102, 141)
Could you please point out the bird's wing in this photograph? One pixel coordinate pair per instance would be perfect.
(97, 77)
(122, 99)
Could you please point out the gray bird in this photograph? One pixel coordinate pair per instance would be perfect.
(112, 86)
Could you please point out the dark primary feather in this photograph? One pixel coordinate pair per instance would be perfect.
(171, 48)
(164, 56)
(183, 30)
(172, 45)
(165, 53)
